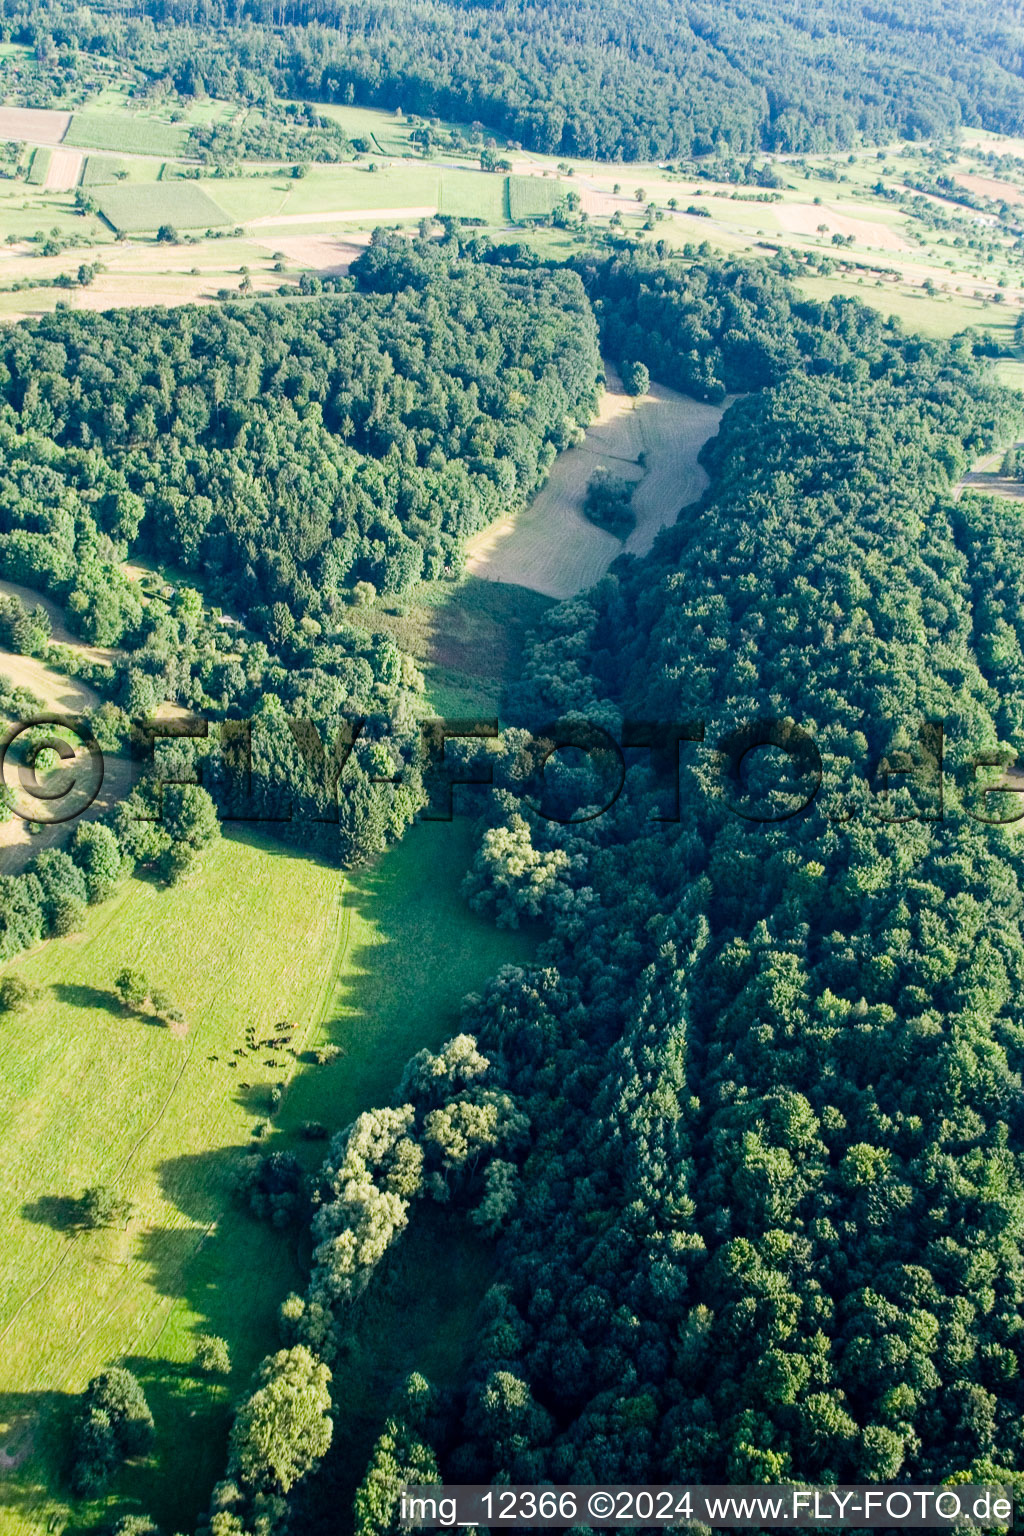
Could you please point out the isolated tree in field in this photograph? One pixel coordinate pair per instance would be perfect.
(104, 1207)
(165, 1007)
(113, 1423)
(190, 815)
(284, 1428)
(95, 851)
(16, 994)
(212, 1355)
(131, 986)
(168, 235)
(636, 380)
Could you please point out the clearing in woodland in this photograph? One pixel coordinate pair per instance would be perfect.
(551, 547)
(375, 962)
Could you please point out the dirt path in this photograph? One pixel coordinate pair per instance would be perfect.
(986, 475)
(551, 547)
(335, 216)
(322, 253)
(65, 170)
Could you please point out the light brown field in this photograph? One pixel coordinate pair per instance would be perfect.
(33, 124)
(988, 186)
(65, 170)
(321, 253)
(986, 475)
(804, 218)
(62, 695)
(551, 547)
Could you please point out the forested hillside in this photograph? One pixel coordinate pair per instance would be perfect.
(773, 1211)
(600, 78)
(290, 458)
(750, 1133)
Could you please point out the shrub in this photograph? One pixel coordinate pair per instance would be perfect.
(212, 1355)
(609, 504)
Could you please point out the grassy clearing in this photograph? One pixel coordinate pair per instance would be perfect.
(87, 1093)
(328, 189)
(939, 315)
(467, 637)
(418, 1315)
(145, 207)
(39, 169)
(474, 195)
(533, 197)
(125, 134)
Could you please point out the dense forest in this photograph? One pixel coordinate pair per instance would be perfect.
(749, 1133)
(293, 459)
(599, 78)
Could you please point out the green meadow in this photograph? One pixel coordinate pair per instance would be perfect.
(89, 1093)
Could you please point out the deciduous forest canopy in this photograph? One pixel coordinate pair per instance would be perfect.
(600, 78)
(741, 1147)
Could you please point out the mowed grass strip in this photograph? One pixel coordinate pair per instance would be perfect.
(143, 207)
(376, 962)
(39, 168)
(533, 197)
(125, 134)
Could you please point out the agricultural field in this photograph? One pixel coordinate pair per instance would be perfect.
(268, 935)
(182, 204)
(474, 195)
(551, 547)
(125, 134)
(533, 197)
(34, 125)
(40, 167)
(101, 171)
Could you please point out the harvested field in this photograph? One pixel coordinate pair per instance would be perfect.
(321, 253)
(65, 170)
(804, 218)
(33, 124)
(987, 476)
(551, 547)
(988, 186)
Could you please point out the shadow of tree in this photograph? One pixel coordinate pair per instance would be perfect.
(64, 1213)
(78, 995)
(34, 1429)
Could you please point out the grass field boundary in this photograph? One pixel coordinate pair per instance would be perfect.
(124, 133)
(74, 1237)
(39, 169)
(143, 207)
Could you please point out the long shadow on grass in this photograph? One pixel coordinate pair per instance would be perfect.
(409, 952)
(78, 995)
(34, 1439)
